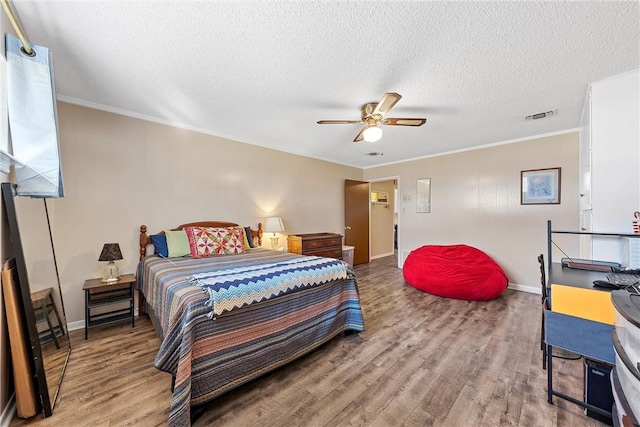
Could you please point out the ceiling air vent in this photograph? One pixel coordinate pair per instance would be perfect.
(542, 115)
(374, 153)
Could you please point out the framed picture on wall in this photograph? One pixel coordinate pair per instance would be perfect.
(540, 186)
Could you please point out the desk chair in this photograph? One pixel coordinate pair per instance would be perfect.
(545, 306)
(43, 307)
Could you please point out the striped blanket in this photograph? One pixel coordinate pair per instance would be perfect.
(208, 358)
(240, 286)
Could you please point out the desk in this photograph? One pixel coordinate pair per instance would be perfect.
(566, 326)
(573, 294)
(574, 277)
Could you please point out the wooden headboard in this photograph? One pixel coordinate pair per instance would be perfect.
(145, 240)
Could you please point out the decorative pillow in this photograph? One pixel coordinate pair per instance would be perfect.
(177, 243)
(246, 239)
(207, 241)
(159, 242)
(247, 232)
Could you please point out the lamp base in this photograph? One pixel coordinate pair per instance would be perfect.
(111, 273)
(274, 242)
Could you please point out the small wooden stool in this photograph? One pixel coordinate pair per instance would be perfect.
(43, 306)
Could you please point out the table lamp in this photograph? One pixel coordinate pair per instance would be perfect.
(274, 225)
(110, 252)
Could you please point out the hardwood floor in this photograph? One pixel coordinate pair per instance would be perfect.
(423, 360)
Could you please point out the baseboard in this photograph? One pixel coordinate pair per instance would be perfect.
(73, 326)
(382, 255)
(525, 288)
(9, 412)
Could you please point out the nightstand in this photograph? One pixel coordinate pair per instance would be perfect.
(100, 294)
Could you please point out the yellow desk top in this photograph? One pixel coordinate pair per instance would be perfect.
(591, 304)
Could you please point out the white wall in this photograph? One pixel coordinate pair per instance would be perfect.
(615, 159)
(120, 173)
(475, 200)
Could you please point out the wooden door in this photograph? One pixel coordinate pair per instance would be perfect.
(356, 219)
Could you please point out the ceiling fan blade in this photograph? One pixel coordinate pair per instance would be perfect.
(387, 102)
(339, 122)
(360, 136)
(403, 122)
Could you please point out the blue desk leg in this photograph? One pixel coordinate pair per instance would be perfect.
(549, 374)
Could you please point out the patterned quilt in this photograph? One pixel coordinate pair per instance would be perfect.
(209, 357)
(240, 286)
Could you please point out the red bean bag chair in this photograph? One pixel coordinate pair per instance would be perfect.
(455, 271)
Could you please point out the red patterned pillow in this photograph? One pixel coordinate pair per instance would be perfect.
(207, 241)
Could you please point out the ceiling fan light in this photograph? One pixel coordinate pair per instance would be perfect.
(372, 133)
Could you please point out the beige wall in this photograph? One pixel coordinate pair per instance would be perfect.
(475, 200)
(122, 172)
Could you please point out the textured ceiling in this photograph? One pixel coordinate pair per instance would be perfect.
(265, 72)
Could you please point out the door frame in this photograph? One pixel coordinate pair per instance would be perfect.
(397, 205)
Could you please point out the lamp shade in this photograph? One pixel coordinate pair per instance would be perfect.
(273, 225)
(110, 252)
(372, 133)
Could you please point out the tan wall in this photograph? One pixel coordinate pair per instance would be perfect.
(382, 221)
(122, 172)
(475, 200)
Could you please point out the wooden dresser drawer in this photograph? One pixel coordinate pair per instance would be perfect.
(317, 244)
(321, 243)
(329, 253)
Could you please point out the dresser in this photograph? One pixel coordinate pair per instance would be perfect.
(317, 244)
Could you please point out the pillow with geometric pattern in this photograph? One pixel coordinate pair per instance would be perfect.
(208, 241)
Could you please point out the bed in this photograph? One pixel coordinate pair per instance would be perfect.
(212, 345)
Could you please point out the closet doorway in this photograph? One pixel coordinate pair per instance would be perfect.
(384, 218)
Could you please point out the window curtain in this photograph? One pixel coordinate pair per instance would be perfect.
(33, 121)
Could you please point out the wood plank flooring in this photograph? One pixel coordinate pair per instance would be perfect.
(422, 361)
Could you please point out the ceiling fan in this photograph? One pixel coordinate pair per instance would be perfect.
(372, 115)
